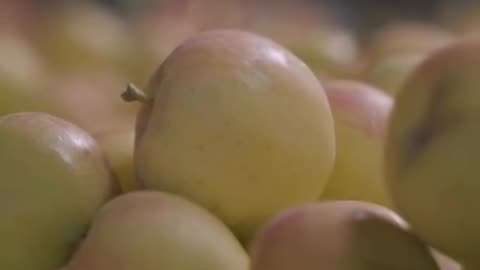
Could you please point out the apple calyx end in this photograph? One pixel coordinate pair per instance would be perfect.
(133, 93)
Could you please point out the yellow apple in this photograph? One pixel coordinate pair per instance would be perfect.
(361, 114)
(53, 180)
(445, 262)
(338, 235)
(152, 230)
(236, 123)
(432, 151)
(118, 147)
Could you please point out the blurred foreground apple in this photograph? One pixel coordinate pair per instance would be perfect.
(432, 151)
(53, 179)
(338, 235)
(445, 262)
(236, 123)
(361, 114)
(151, 230)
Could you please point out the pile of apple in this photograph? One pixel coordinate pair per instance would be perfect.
(277, 146)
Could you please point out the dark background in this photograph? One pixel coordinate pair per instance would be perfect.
(360, 15)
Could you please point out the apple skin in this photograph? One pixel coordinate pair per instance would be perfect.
(118, 148)
(361, 114)
(338, 235)
(445, 262)
(432, 151)
(53, 180)
(151, 230)
(238, 134)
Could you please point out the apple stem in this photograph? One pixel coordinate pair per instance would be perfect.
(133, 93)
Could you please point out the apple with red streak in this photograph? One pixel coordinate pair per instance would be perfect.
(338, 235)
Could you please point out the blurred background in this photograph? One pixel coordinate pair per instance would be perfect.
(73, 58)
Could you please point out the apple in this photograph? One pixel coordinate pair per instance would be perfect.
(53, 180)
(118, 147)
(227, 116)
(338, 235)
(151, 230)
(360, 114)
(432, 150)
(445, 262)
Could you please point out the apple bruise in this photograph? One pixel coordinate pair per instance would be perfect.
(432, 124)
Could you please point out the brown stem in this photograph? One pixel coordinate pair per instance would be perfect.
(133, 93)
